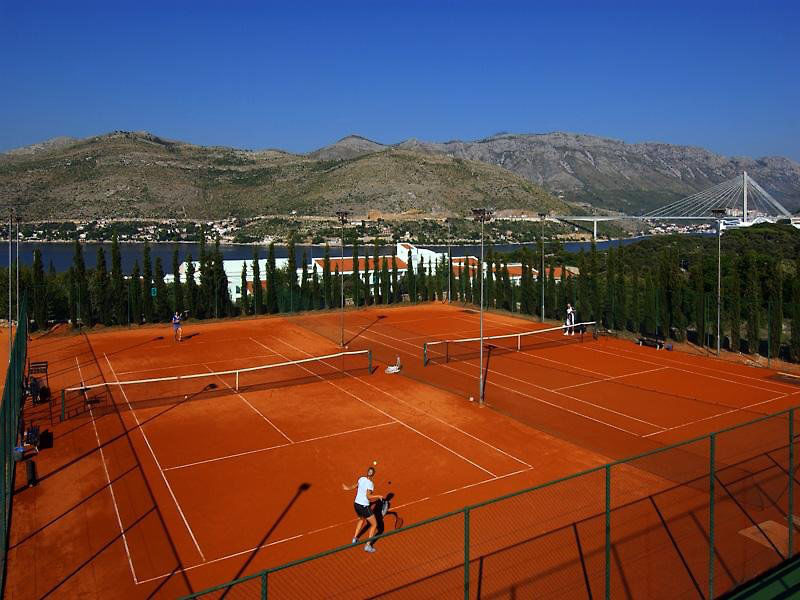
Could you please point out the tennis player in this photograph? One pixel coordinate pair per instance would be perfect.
(177, 330)
(570, 321)
(364, 497)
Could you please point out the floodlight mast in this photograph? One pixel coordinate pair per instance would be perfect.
(481, 215)
(719, 213)
(541, 273)
(343, 216)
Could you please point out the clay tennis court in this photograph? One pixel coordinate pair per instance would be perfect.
(167, 488)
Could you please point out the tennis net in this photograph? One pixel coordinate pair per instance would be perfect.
(139, 393)
(442, 351)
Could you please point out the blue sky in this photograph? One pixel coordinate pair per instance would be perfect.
(299, 75)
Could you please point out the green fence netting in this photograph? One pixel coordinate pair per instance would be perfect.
(695, 519)
(9, 421)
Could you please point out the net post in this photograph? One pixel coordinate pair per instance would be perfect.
(790, 511)
(519, 343)
(264, 585)
(713, 440)
(237, 381)
(447, 352)
(63, 405)
(369, 361)
(466, 553)
(425, 354)
(608, 534)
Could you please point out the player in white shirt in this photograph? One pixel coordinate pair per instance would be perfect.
(365, 497)
(570, 321)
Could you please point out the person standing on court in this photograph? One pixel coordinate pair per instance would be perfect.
(570, 320)
(364, 497)
(177, 330)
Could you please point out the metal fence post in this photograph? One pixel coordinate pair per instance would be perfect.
(790, 517)
(608, 532)
(466, 553)
(713, 441)
(264, 585)
(63, 406)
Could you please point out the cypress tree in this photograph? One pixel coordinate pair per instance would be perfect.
(421, 280)
(376, 284)
(336, 284)
(147, 283)
(698, 287)
(437, 291)
(775, 290)
(327, 284)
(192, 292)
(205, 294)
(102, 298)
(222, 304)
(609, 308)
(550, 295)
(258, 291)
(272, 281)
(734, 297)
(395, 280)
(476, 283)
(118, 292)
(753, 303)
(291, 273)
(583, 303)
(356, 277)
(39, 291)
(636, 302)
(305, 286)
(509, 291)
(82, 298)
(385, 281)
(135, 292)
(411, 278)
(489, 293)
(177, 286)
(244, 304)
(316, 291)
(367, 284)
(595, 304)
(162, 303)
(621, 290)
(73, 297)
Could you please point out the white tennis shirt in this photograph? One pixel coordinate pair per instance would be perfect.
(364, 486)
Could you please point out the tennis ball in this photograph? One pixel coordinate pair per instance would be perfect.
(375, 462)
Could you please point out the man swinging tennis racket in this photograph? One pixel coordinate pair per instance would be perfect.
(364, 497)
(177, 320)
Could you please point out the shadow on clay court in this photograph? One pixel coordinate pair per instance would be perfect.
(300, 489)
(365, 328)
(380, 519)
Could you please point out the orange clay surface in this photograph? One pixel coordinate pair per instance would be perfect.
(163, 499)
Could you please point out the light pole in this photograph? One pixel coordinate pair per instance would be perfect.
(481, 215)
(342, 216)
(449, 262)
(541, 273)
(719, 213)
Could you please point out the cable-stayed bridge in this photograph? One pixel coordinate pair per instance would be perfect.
(738, 202)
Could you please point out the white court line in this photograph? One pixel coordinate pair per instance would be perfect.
(340, 524)
(257, 450)
(727, 412)
(477, 439)
(258, 412)
(557, 406)
(761, 388)
(108, 480)
(384, 413)
(566, 387)
(209, 362)
(158, 464)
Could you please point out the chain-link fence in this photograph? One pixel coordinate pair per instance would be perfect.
(9, 420)
(694, 519)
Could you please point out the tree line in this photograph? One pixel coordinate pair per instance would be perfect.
(663, 287)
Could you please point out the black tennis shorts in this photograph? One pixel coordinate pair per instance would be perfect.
(362, 511)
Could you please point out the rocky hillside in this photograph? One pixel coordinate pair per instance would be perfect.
(139, 175)
(603, 172)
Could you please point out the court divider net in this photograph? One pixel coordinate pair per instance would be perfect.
(156, 391)
(443, 351)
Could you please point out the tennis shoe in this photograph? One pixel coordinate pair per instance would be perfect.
(369, 548)
(355, 541)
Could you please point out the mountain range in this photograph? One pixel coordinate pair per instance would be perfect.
(141, 175)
